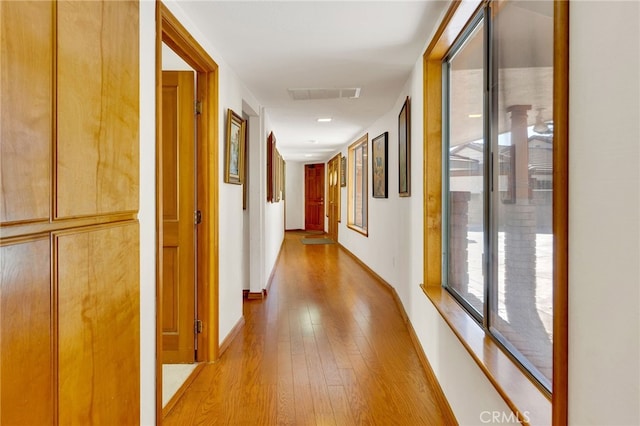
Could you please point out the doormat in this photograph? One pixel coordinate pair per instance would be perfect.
(314, 232)
(317, 241)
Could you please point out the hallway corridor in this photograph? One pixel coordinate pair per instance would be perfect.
(327, 346)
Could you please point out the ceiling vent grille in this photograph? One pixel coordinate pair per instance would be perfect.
(316, 94)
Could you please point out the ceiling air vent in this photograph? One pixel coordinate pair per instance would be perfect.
(315, 94)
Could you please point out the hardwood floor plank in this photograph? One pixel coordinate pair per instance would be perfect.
(327, 346)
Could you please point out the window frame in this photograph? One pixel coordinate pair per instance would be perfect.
(521, 397)
(361, 144)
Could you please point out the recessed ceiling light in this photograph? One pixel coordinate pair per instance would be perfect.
(475, 115)
(324, 120)
(308, 155)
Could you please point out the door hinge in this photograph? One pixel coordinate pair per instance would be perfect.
(198, 107)
(198, 327)
(197, 217)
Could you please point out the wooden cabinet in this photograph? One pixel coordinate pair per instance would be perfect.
(69, 237)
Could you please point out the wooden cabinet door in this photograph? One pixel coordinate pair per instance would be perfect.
(26, 379)
(178, 206)
(26, 61)
(98, 325)
(97, 108)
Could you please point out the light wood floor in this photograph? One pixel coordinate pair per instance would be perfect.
(327, 346)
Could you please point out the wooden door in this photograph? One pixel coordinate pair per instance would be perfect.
(314, 197)
(69, 234)
(333, 211)
(178, 208)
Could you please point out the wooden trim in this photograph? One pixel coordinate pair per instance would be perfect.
(561, 213)
(266, 290)
(40, 227)
(424, 361)
(181, 390)
(456, 18)
(232, 335)
(159, 218)
(174, 35)
(426, 365)
(252, 295)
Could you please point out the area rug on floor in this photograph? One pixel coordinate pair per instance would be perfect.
(314, 232)
(317, 241)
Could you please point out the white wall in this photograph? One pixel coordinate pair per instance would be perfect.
(147, 214)
(604, 215)
(294, 185)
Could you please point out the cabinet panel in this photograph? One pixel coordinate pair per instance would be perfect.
(25, 333)
(98, 325)
(97, 101)
(26, 67)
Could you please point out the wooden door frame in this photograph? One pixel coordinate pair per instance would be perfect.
(173, 34)
(334, 163)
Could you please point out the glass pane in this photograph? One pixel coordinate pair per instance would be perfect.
(522, 210)
(364, 191)
(358, 187)
(466, 181)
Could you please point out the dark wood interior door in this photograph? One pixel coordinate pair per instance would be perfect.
(314, 197)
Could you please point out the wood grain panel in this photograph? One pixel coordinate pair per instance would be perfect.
(26, 63)
(97, 149)
(98, 325)
(170, 290)
(26, 386)
(169, 150)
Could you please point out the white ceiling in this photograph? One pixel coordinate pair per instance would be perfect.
(274, 46)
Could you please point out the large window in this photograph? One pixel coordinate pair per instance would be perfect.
(497, 177)
(357, 185)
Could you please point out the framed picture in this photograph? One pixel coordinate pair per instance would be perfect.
(245, 180)
(277, 161)
(404, 150)
(343, 171)
(271, 147)
(379, 163)
(234, 149)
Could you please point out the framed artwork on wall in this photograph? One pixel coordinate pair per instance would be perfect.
(234, 149)
(271, 146)
(379, 165)
(343, 171)
(404, 150)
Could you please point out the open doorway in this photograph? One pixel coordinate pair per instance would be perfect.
(179, 202)
(187, 315)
